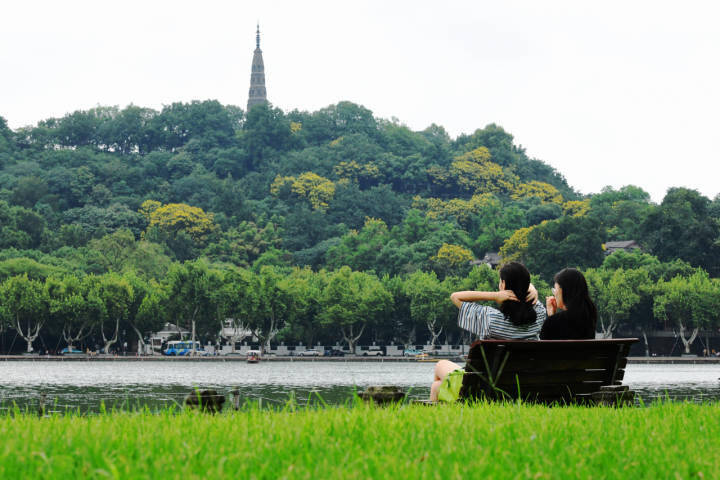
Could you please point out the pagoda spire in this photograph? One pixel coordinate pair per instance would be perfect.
(257, 94)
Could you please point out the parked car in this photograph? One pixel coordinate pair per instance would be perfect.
(70, 351)
(373, 352)
(310, 352)
(411, 352)
(334, 353)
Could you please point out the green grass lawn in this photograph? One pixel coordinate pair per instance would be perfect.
(667, 440)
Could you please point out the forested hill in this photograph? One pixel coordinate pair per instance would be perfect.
(324, 189)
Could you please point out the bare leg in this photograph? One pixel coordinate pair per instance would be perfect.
(442, 368)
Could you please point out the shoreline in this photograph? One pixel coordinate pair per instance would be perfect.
(242, 358)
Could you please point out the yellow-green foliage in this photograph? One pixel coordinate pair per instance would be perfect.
(460, 209)
(576, 208)
(295, 127)
(175, 217)
(355, 172)
(148, 207)
(453, 255)
(515, 247)
(279, 182)
(476, 173)
(317, 190)
(544, 191)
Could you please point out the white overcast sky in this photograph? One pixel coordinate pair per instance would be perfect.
(609, 93)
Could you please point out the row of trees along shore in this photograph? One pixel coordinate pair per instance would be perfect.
(634, 293)
(110, 192)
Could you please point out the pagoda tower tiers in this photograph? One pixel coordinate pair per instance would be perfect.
(257, 93)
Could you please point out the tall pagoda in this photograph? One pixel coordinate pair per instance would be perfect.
(257, 93)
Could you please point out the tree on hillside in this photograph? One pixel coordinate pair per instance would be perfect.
(547, 248)
(621, 211)
(360, 249)
(452, 260)
(476, 173)
(266, 130)
(682, 228)
(182, 227)
(7, 142)
(116, 248)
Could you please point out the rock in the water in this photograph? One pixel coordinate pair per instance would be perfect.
(383, 394)
(207, 400)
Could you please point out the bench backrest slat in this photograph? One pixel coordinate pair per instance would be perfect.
(544, 371)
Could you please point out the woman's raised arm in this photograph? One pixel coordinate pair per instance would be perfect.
(472, 296)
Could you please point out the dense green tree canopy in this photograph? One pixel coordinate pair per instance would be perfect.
(136, 195)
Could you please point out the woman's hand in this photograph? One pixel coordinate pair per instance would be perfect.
(532, 294)
(550, 305)
(505, 295)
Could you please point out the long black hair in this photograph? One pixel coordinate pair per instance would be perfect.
(575, 294)
(517, 279)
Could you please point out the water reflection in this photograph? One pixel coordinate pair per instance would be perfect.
(84, 386)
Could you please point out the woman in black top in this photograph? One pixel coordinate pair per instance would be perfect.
(571, 313)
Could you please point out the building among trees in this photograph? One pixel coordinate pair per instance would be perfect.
(257, 94)
(625, 245)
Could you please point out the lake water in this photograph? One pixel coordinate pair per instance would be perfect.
(85, 385)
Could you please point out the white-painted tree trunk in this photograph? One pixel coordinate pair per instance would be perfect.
(607, 331)
(433, 334)
(30, 334)
(141, 342)
(350, 338)
(688, 341)
(109, 342)
(70, 339)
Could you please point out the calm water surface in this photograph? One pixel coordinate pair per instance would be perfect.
(85, 385)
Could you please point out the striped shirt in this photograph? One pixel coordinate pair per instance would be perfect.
(489, 322)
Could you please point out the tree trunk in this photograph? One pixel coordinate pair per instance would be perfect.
(141, 342)
(608, 331)
(433, 334)
(29, 335)
(70, 339)
(271, 334)
(237, 335)
(350, 339)
(647, 345)
(689, 341)
(411, 337)
(192, 324)
(109, 342)
(193, 339)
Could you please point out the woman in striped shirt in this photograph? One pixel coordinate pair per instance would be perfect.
(512, 319)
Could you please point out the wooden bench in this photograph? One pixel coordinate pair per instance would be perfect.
(548, 371)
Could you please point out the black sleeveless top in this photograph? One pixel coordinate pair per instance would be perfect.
(567, 325)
